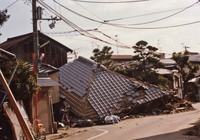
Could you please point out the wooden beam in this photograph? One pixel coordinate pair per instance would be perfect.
(13, 102)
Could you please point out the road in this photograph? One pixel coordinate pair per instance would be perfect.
(163, 127)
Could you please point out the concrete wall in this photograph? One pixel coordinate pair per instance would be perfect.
(55, 94)
(44, 109)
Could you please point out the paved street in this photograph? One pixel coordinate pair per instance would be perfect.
(165, 127)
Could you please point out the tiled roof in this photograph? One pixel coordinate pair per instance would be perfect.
(75, 76)
(194, 58)
(107, 89)
(168, 61)
(114, 57)
(163, 71)
(47, 82)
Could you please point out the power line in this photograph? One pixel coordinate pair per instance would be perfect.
(11, 5)
(88, 10)
(89, 30)
(128, 25)
(142, 15)
(85, 1)
(164, 27)
(69, 31)
(78, 13)
(74, 26)
(163, 17)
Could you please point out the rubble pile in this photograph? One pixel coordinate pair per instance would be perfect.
(169, 104)
(174, 104)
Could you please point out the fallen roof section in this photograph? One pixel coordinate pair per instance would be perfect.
(104, 90)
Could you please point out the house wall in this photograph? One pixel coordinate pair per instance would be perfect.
(55, 54)
(23, 50)
(55, 95)
(44, 109)
(79, 106)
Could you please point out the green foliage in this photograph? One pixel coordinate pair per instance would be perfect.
(102, 56)
(146, 58)
(182, 59)
(123, 72)
(23, 84)
(3, 17)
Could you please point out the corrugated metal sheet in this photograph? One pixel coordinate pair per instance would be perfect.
(107, 89)
(47, 82)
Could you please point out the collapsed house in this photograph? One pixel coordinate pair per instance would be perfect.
(93, 92)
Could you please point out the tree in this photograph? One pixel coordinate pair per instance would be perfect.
(23, 84)
(3, 17)
(102, 56)
(146, 58)
(182, 59)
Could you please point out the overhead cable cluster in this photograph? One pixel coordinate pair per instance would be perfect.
(108, 22)
(77, 28)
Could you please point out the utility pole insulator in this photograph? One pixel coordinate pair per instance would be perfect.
(39, 13)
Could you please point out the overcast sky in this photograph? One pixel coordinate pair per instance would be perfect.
(168, 40)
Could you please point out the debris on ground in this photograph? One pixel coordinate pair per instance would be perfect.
(112, 119)
(83, 123)
(169, 104)
(175, 105)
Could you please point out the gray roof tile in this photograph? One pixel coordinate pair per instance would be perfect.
(107, 89)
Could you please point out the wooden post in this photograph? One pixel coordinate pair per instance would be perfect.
(13, 102)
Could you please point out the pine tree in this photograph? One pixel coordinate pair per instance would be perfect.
(102, 56)
(182, 59)
(146, 59)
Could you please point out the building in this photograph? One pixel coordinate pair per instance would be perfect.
(55, 56)
(22, 47)
(94, 92)
(117, 59)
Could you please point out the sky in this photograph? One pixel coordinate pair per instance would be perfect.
(167, 40)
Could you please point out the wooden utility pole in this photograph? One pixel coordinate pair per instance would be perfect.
(35, 34)
(13, 102)
(35, 55)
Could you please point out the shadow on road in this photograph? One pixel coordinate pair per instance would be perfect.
(178, 135)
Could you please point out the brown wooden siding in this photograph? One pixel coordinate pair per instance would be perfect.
(78, 105)
(55, 53)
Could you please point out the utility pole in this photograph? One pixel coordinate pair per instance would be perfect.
(35, 34)
(35, 56)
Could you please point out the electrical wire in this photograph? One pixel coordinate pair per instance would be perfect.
(142, 15)
(68, 31)
(10, 5)
(88, 10)
(164, 27)
(89, 30)
(85, 1)
(126, 25)
(79, 30)
(78, 13)
(164, 17)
